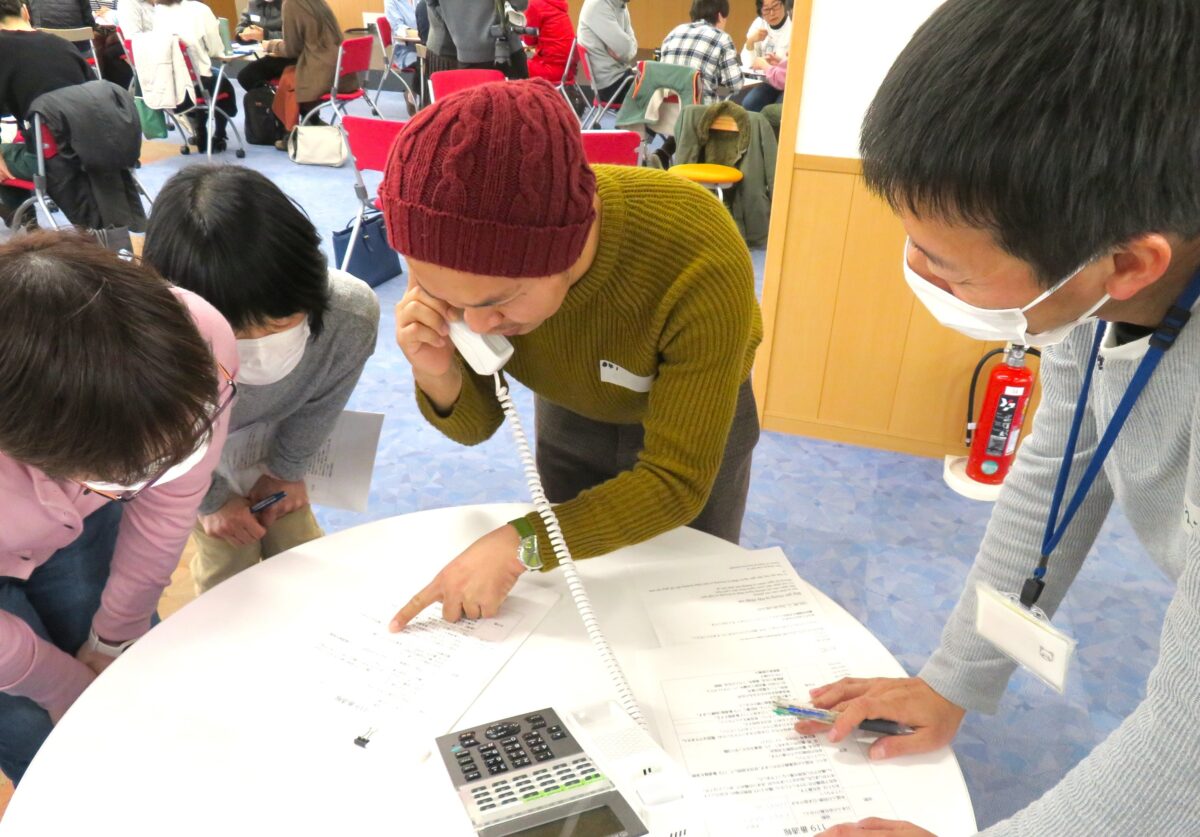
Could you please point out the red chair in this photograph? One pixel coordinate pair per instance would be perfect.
(383, 28)
(615, 148)
(39, 196)
(598, 107)
(200, 104)
(369, 140)
(354, 56)
(445, 82)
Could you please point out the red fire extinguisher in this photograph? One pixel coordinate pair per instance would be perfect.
(993, 441)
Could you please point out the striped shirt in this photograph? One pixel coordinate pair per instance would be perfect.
(708, 49)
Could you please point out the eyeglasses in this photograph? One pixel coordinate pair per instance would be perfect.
(128, 494)
(775, 7)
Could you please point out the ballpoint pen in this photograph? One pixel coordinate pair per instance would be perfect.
(828, 716)
(267, 502)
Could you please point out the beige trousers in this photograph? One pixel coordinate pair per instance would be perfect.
(216, 559)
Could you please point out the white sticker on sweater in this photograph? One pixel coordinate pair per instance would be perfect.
(1191, 516)
(611, 373)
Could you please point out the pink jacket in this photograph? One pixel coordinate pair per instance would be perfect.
(39, 515)
(777, 75)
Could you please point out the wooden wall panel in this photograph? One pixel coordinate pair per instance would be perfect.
(820, 206)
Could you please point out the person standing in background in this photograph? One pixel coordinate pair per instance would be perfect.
(606, 32)
(553, 42)
(460, 37)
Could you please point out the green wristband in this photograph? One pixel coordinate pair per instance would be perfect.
(527, 552)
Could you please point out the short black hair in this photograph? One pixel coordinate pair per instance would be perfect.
(1066, 127)
(709, 10)
(103, 373)
(11, 8)
(232, 236)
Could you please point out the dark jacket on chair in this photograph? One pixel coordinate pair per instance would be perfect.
(752, 151)
(61, 14)
(99, 140)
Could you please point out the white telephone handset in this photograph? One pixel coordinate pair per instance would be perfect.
(485, 353)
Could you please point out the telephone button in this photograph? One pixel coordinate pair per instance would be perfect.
(471, 776)
(501, 730)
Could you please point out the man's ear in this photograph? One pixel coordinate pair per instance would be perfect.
(1137, 264)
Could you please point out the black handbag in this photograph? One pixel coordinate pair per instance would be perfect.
(262, 128)
(373, 260)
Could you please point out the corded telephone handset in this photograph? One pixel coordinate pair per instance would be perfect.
(593, 772)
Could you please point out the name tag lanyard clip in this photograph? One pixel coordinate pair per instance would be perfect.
(1162, 339)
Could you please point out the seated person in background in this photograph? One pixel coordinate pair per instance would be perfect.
(262, 21)
(553, 42)
(705, 45)
(62, 14)
(304, 333)
(311, 38)
(117, 410)
(402, 16)
(606, 32)
(460, 38)
(769, 36)
(1069, 192)
(759, 96)
(766, 47)
(31, 63)
(195, 24)
(645, 416)
(135, 17)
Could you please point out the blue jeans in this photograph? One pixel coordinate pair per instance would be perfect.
(759, 96)
(58, 602)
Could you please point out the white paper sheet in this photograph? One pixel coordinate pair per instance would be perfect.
(711, 703)
(339, 474)
(404, 689)
(754, 596)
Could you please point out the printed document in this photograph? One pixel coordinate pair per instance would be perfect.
(339, 474)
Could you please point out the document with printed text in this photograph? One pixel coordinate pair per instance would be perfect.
(339, 474)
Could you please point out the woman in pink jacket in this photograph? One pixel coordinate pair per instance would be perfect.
(116, 390)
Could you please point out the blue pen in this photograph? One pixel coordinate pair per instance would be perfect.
(267, 502)
(827, 716)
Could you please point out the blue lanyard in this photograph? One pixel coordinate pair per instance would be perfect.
(1162, 339)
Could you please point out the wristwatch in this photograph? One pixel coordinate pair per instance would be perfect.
(95, 643)
(527, 552)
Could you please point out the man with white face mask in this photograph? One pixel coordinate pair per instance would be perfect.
(304, 334)
(1042, 156)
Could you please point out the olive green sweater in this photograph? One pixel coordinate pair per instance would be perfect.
(669, 297)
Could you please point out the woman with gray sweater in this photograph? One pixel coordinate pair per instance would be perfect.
(304, 333)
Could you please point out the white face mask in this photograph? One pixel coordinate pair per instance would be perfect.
(265, 360)
(1005, 325)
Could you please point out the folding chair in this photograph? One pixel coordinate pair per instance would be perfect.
(40, 198)
(616, 148)
(369, 140)
(598, 107)
(445, 82)
(81, 35)
(354, 56)
(383, 28)
(201, 104)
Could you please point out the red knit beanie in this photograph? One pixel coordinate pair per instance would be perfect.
(491, 180)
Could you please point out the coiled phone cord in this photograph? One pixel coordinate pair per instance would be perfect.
(574, 583)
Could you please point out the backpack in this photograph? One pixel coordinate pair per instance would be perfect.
(262, 128)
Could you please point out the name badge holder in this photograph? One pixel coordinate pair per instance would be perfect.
(1014, 624)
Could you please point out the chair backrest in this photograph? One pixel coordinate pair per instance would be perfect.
(127, 46)
(445, 82)
(582, 63)
(198, 95)
(616, 148)
(384, 27)
(568, 75)
(370, 140)
(79, 35)
(355, 56)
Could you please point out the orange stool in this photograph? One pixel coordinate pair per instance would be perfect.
(709, 175)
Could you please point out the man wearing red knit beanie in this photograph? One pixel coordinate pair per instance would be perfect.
(628, 296)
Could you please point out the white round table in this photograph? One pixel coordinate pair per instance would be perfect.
(202, 727)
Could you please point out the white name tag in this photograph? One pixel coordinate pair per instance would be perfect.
(255, 18)
(610, 373)
(1025, 636)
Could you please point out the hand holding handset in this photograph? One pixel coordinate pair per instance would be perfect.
(485, 353)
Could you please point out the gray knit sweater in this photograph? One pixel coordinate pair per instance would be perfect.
(467, 23)
(307, 402)
(1143, 779)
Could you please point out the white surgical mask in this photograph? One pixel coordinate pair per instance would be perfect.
(1005, 325)
(265, 360)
